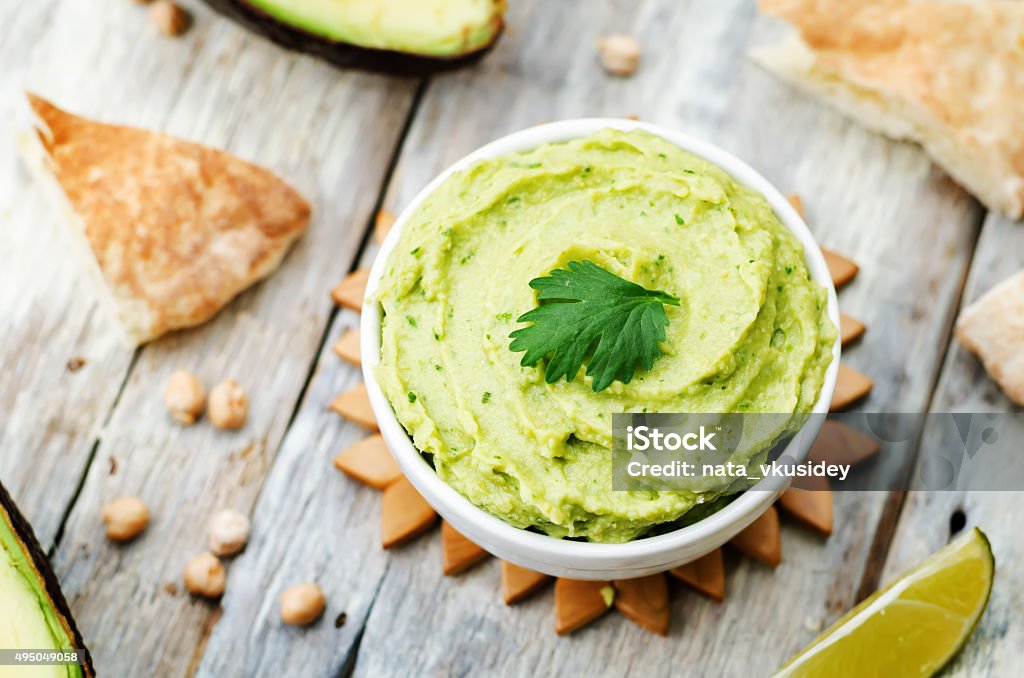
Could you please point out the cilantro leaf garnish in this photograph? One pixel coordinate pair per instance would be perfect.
(586, 309)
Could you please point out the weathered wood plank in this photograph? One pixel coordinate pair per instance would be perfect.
(925, 523)
(330, 133)
(337, 522)
(310, 524)
(52, 413)
(880, 203)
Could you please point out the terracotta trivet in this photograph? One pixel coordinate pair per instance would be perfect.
(370, 462)
(405, 514)
(519, 583)
(354, 405)
(838, 443)
(349, 292)
(850, 387)
(840, 268)
(579, 602)
(382, 224)
(347, 347)
(644, 601)
(458, 553)
(762, 540)
(811, 506)
(850, 329)
(706, 575)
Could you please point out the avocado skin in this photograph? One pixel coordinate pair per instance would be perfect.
(343, 54)
(27, 536)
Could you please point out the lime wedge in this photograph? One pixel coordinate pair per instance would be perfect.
(914, 626)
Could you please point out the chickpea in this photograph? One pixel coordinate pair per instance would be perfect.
(184, 397)
(620, 54)
(228, 532)
(302, 604)
(205, 576)
(228, 407)
(125, 518)
(170, 18)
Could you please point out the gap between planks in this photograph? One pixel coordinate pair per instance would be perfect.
(895, 501)
(357, 261)
(72, 520)
(913, 193)
(361, 259)
(59, 534)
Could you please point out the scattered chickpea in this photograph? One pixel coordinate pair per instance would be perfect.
(228, 532)
(302, 604)
(170, 18)
(205, 576)
(620, 54)
(184, 397)
(125, 518)
(228, 406)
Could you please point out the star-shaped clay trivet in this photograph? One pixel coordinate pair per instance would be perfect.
(645, 600)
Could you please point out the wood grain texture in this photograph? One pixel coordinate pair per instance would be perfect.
(332, 135)
(880, 203)
(925, 524)
(51, 415)
(330, 534)
(311, 523)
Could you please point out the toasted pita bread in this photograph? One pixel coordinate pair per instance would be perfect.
(174, 229)
(946, 75)
(993, 328)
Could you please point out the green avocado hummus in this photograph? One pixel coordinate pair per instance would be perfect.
(751, 333)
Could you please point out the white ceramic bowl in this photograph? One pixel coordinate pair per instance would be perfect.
(565, 558)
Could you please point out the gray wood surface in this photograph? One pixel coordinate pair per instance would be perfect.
(925, 523)
(854, 206)
(220, 86)
(52, 415)
(311, 524)
(334, 135)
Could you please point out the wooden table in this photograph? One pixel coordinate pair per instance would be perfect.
(354, 142)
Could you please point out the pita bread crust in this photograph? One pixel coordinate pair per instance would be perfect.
(947, 75)
(993, 329)
(176, 229)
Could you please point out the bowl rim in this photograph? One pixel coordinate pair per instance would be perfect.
(493, 533)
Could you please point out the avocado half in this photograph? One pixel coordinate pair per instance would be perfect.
(33, 612)
(405, 37)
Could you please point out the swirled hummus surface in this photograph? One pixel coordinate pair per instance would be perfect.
(751, 333)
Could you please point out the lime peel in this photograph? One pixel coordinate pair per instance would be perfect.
(914, 626)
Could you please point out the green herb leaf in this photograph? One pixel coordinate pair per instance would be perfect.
(587, 310)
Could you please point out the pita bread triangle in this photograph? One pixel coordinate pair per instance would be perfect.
(993, 328)
(948, 75)
(174, 229)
